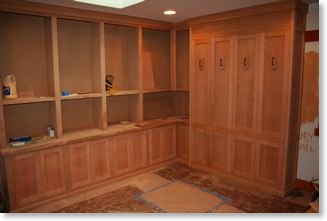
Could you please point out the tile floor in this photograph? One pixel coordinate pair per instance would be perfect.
(173, 189)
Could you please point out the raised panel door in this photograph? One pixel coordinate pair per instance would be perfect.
(243, 157)
(79, 164)
(138, 150)
(270, 163)
(200, 145)
(155, 142)
(27, 178)
(272, 96)
(182, 141)
(221, 81)
(245, 82)
(119, 154)
(52, 163)
(220, 152)
(200, 96)
(99, 156)
(168, 139)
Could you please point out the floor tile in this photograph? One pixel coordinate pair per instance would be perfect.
(148, 181)
(182, 198)
(227, 209)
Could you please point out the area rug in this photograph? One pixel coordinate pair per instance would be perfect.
(118, 201)
(248, 201)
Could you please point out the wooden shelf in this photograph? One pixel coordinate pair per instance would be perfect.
(123, 92)
(157, 90)
(27, 100)
(81, 96)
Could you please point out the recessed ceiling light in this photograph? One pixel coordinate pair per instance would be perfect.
(169, 12)
(111, 3)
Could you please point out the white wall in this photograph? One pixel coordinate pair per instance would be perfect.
(308, 161)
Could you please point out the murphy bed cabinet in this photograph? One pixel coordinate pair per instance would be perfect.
(246, 69)
(235, 75)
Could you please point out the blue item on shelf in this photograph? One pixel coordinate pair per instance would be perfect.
(22, 139)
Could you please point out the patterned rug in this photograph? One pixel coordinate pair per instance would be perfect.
(118, 201)
(252, 202)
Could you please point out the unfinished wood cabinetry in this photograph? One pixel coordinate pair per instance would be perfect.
(182, 60)
(99, 160)
(79, 164)
(162, 143)
(138, 150)
(247, 115)
(182, 141)
(119, 154)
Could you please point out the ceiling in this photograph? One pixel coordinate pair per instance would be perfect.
(153, 9)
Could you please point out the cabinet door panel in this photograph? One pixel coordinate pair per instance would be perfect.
(99, 155)
(168, 137)
(245, 83)
(156, 154)
(220, 152)
(243, 161)
(138, 150)
(200, 146)
(182, 141)
(27, 178)
(221, 84)
(270, 163)
(52, 162)
(201, 94)
(79, 164)
(119, 154)
(272, 87)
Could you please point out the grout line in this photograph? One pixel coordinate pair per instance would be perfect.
(216, 207)
(149, 203)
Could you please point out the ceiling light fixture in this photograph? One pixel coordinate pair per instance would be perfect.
(111, 3)
(169, 12)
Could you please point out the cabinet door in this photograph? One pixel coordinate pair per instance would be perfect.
(79, 164)
(138, 150)
(182, 141)
(119, 154)
(243, 157)
(221, 81)
(99, 156)
(200, 146)
(272, 84)
(200, 98)
(245, 83)
(168, 142)
(156, 154)
(52, 164)
(270, 163)
(27, 178)
(220, 152)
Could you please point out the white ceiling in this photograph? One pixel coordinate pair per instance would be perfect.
(153, 9)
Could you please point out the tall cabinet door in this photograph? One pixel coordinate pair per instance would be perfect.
(168, 139)
(245, 83)
(99, 156)
(272, 96)
(119, 154)
(221, 81)
(200, 97)
(138, 150)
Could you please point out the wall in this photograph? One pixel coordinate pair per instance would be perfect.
(308, 163)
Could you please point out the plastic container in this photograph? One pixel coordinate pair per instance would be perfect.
(9, 87)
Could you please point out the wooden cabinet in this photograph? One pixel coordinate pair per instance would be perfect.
(220, 152)
(119, 154)
(99, 160)
(245, 82)
(182, 141)
(200, 145)
(138, 150)
(221, 83)
(79, 164)
(243, 157)
(53, 171)
(200, 108)
(27, 179)
(270, 163)
(272, 85)
(162, 143)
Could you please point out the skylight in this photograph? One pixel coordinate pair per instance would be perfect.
(111, 3)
